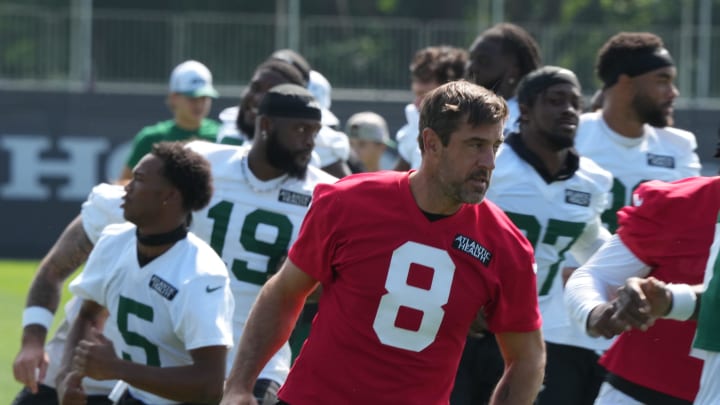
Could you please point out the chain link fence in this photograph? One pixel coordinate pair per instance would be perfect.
(135, 51)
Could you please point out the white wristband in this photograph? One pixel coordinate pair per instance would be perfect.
(683, 302)
(37, 316)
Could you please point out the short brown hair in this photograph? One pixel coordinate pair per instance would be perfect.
(441, 64)
(447, 107)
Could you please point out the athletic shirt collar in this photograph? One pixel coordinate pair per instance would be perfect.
(568, 169)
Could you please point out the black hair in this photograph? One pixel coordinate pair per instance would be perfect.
(188, 171)
(621, 47)
(515, 41)
(285, 69)
(295, 59)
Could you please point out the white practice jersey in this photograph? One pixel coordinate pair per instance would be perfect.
(252, 230)
(512, 125)
(559, 219)
(178, 302)
(666, 154)
(331, 146)
(407, 137)
(229, 133)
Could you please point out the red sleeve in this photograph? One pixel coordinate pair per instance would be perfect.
(515, 307)
(314, 249)
(659, 210)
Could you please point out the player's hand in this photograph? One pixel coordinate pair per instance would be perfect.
(31, 364)
(95, 357)
(641, 301)
(238, 399)
(70, 391)
(603, 322)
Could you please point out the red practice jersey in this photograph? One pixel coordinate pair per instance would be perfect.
(400, 292)
(669, 227)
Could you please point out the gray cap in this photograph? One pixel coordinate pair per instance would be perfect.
(370, 126)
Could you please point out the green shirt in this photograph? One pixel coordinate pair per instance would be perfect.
(168, 131)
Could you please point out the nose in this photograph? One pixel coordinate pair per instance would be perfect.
(675, 91)
(486, 158)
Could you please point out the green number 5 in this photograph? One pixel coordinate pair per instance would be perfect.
(126, 307)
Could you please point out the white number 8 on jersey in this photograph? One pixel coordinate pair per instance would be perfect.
(400, 293)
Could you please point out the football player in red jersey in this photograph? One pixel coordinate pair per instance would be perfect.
(403, 281)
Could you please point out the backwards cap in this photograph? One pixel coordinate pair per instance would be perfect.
(290, 101)
(540, 79)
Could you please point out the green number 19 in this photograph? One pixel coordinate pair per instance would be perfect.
(274, 251)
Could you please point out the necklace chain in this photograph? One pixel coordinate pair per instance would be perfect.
(245, 169)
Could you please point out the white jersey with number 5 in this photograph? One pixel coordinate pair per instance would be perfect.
(178, 302)
(558, 218)
(665, 154)
(251, 230)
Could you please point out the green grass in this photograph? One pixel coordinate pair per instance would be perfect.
(15, 277)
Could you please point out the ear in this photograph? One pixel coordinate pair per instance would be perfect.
(263, 124)
(431, 140)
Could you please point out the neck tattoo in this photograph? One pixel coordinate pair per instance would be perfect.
(245, 171)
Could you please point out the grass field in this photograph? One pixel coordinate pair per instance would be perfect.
(15, 277)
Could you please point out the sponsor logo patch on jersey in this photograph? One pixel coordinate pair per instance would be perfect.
(294, 198)
(163, 287)
(660, 161)
(575, 197)
(472, 248)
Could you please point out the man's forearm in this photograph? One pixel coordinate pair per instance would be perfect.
(269, 325)
(520, 383)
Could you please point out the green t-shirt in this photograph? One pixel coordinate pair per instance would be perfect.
(168, 131)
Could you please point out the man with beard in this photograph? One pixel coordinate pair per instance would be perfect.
(499, 58)
(238, 123)
(556, 197)
(253, 217)
(630, 136)
(403, 279)
(287, 66)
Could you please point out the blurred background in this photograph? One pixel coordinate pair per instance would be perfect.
(79, 78)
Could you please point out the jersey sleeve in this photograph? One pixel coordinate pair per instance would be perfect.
(331, 146)
(688, 164)
(515, 308)
(101, 209)
(313, 251)
(645, 225)
(204, 314)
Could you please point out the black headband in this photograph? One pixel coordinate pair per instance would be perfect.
(540, 79)
(290, 101)
(638, 63)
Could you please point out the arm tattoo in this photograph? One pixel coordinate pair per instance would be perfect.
(70, 251)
